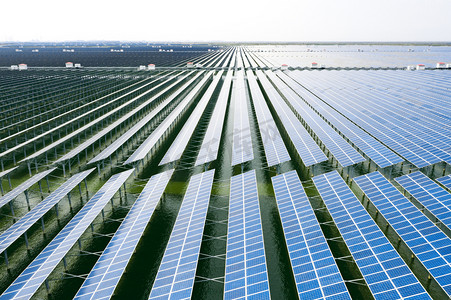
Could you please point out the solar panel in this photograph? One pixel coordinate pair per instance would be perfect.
(376, 151)
(314, 268)
(429, 244)
(242, 141)
(179, 143)
(445, 181)
(275, 150)
(429, 194)
(384, 271)
(40, 268)
(23, 187)
(10, 235)
(6, 172)
(308, 150)
(150, 142)
(245, 270)
(210, 145)
(175, 277)
(108, 151)
(108, 270)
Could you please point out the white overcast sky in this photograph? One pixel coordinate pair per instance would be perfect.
(229, 20)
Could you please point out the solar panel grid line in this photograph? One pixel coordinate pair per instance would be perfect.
(376, 151)
(108, 151)
(302, 239)
(445, 181)
(11, 195)
(149, 143)
(106, 273)
(10, 235)
(176, 274)
(429, 244)
(384, 271)
(242, 149)
(27, 283)
(429, 194)
(210, 145)
(245, 269)
(273, 145)
(307, 148)
(178, 145)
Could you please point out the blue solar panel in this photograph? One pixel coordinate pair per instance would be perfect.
(17, 229)
(386, 274)
(175, 277)
(242, 141)
(314, 268)
(308, 150)
(245, 270)
(40, 268)
(107, 272)
(273, 145)
(430, 245)
(429, 194)
(445, 181)
(24, 186)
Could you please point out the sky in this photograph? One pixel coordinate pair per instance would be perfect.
(230, 20)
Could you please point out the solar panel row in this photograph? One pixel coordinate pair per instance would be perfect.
(245, 270)
(175, 277)
(314, 268)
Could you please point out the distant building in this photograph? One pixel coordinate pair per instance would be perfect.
(448, 66)
(151, 67)
(141, 68)
(69, 64)
(23, 67)
(284, 67)
(410, 68)
(14, 67)
(18, 50)
(35, 50)
(78, 66)
(198, 65)
(314, 65)
(421, 67)
(440, 65)
(190, 65)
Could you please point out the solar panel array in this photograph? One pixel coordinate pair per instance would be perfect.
(150, 142)
(245, 270)
(314, 268)
(376, 151)
(10, 235)
(306, 147)
(36, 273)
(429, 194)
(106, 273)
(275, 150)
(179, 144)
(175, 277)
(429, 244)
(386, 274)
